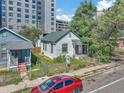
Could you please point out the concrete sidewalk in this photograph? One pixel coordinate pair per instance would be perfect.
(29, 84)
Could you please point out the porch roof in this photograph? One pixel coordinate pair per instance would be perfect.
(77, 42)
(18, 45)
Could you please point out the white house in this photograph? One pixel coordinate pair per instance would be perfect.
(62, 42)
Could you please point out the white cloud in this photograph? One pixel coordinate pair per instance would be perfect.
(65, 17)
(104, 4)
(59, 10)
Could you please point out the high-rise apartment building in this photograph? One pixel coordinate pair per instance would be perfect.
(62, 25)
(17, 13)
(33, 13)
(48, 20)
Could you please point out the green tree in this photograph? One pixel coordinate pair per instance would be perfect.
(102, 34)
(83, 21)
(109, 30)
(32, 33)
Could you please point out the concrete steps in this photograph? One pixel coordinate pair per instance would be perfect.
(23, 72)
(22, 68)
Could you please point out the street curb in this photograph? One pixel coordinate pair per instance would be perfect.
(97, 71)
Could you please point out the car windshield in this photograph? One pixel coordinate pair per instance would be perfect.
(46, 85)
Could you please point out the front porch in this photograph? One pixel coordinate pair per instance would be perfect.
(11, 59)
(80, 49)
(18, 57)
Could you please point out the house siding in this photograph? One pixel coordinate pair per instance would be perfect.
(10, 37)
(57, 48)
(7, 60)
(1, 13)
(67, 40)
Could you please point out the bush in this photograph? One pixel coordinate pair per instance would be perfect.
(47, 66)
(33, 58)
(60, 59)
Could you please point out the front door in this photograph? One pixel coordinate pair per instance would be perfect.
(20, 54)
(76, 49)
(84, 49)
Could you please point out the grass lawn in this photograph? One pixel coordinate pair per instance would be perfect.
(47, 66)
(9, 77)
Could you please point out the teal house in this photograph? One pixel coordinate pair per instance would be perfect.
(14, 49)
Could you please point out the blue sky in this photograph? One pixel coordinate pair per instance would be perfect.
(69, 6)
(66, 8)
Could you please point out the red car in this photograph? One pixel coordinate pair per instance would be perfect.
(59, 84)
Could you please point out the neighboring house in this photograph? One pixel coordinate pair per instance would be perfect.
(14, 49)
(62, 42)
(120, 44)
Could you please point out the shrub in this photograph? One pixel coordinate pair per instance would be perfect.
(59, 59)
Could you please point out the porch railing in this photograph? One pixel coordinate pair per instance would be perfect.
(13, 61)
(27, 60)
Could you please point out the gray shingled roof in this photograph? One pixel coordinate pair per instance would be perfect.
(54, 37)
(16, 45)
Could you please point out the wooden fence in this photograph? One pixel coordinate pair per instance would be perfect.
(36, 50)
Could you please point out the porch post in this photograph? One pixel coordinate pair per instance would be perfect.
(8, 61)
(30, 57)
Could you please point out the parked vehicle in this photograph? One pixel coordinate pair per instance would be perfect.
(60, 84)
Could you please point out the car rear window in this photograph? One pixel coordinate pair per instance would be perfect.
(46, 85)
(68, 82)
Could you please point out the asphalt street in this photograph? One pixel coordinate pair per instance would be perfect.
(109, 82)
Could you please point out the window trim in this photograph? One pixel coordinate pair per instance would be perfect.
(63, 51)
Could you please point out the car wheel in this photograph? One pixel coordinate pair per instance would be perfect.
(77, 90)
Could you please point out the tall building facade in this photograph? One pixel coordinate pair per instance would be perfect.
(17, 13)
(48, 20)
(33, 13)
(62, 25)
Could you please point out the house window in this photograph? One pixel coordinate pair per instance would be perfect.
(64, 48)
(84, 49)
(45, 47)
(51, 48)
(3, 55)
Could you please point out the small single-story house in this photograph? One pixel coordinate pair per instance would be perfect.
(62, 42)
(14, 49)
(120, 44)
